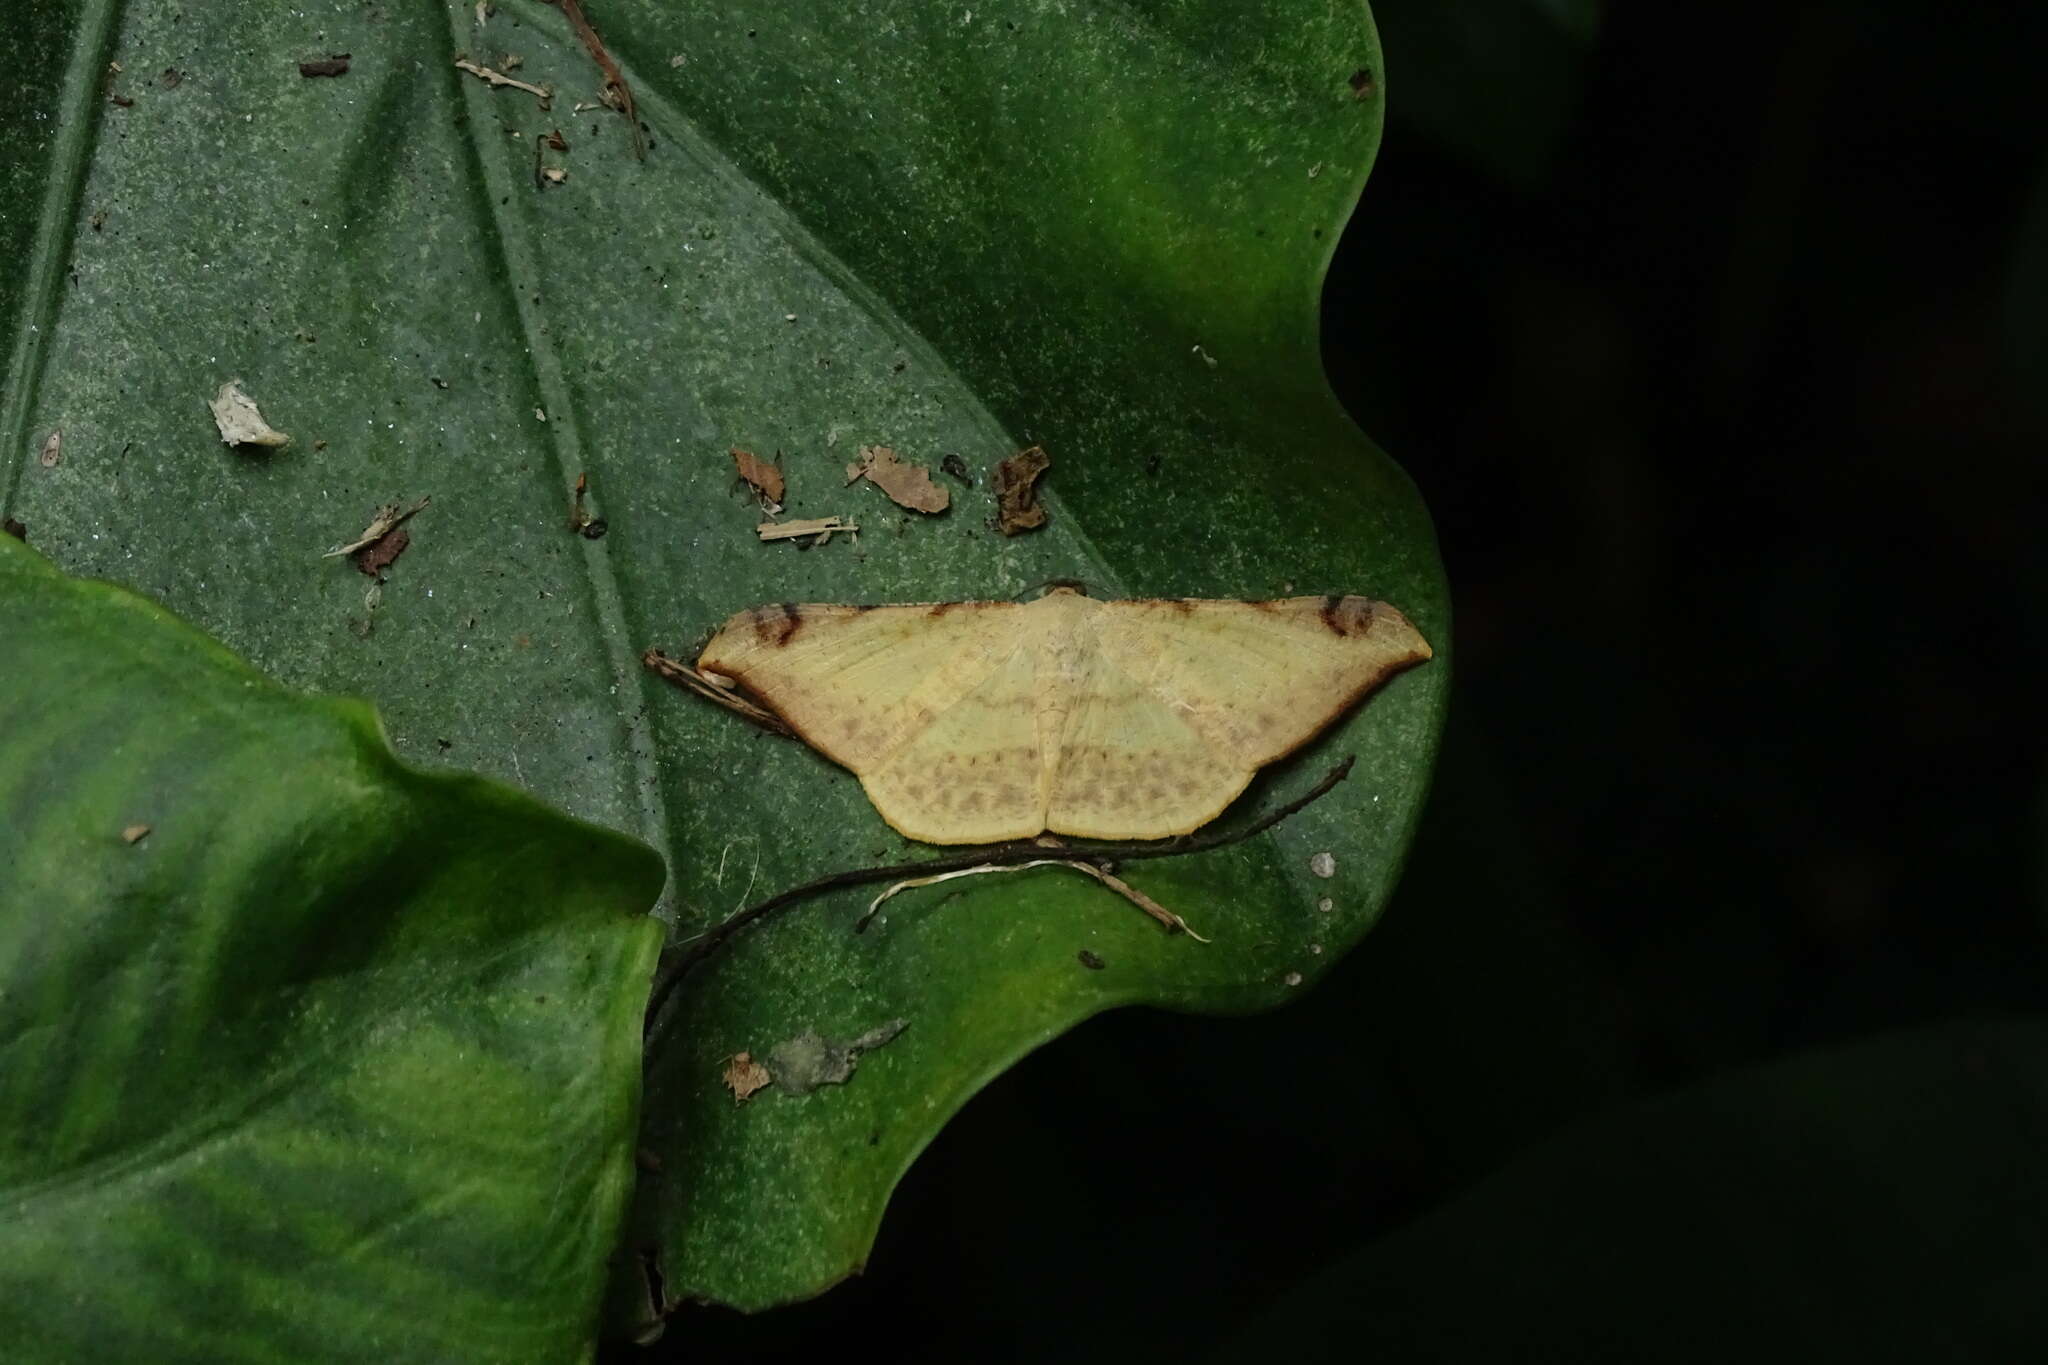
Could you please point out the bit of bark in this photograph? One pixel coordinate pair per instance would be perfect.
(764, 476)
(383, 522)
(822, 528)
(234, 412)
(908, 485)
(710, 688)
(499, 78)
(333, 64)
(53, 450)
(743, 1076)
(1017, 505)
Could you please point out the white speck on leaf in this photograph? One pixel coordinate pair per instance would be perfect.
(1323, 865)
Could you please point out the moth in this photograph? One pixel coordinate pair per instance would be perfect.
(974, 722)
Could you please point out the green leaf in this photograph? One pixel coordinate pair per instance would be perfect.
(952, 230)
(1881, 1201)
(304, 1054)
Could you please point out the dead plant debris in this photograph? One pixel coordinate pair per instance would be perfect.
(615, 92)
(743, 1076)
(333, 64)
(1017, 505)
(53, 450)
(811, 530)
(766, 477)
(373, 560)
(234, 412)
(498, 79)
(810, 1060)
(383, 522)
(908, 485)
(135, 834)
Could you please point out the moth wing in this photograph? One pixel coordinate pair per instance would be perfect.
(973, 773)
(1257, 680)
(856, 683)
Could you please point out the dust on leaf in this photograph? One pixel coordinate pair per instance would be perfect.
(765, 476)
(810, 1060)
(234, 412)
(908, 485)
(743, 1076)
(1017, 505)
(53, 450)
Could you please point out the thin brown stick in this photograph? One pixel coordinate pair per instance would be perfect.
(614, 79)
(1103, 856)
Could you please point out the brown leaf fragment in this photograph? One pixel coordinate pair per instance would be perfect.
(908, 485)
(764, 476)
(135, 834)
(383, 522)
(822, 527)
(53, 450)
(743, 1076)
(234, 412)
(810, 1060)
(333, 64)
(1017, 505)
(373, 560)
(15, 528)
(555, 141)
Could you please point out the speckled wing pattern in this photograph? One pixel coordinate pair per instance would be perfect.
(972, 722)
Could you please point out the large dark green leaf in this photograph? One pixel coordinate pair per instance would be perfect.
(951, 229)
(304, 1054)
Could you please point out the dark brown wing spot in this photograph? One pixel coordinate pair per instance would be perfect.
(778, 624)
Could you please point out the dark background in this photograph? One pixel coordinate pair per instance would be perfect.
(1704, 1022)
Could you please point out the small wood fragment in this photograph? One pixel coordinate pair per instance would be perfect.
(53, 450)
(908, 485)
(235, 413)
(135, 834)
(743, 1076)
(383, 522)
(499, 78)
(1017, 505)
(333, 64)
(615, 91)
(766, 477)
(804, 526)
